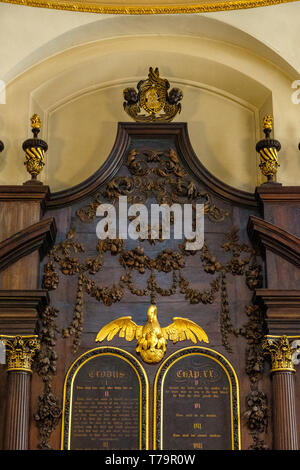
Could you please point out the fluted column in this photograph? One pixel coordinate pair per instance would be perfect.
(285, 435)
(20, 351)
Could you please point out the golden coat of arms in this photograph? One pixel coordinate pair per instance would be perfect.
(153, 97)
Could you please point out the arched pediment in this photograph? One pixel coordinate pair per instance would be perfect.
(132, 131)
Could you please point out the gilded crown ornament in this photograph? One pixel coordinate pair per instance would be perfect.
(153, 97)
(20, 351)
(268, 151)
(151, 338)
(35, 151)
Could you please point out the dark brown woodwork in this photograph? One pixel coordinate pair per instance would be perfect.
(265, 235)
(284, 412)
(127, 131)
(278, 194)
(280, 205)
(20, 207)
(20, 211)
(277, 236)
(19, 310)
(282, 309)
(39, 236)
(25, 193)
(71, 296)
(17, 410)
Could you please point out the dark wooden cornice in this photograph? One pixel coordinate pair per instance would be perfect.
(282, 309)
(265, 235)
(30, 192)
(126, 132)
(39, 236)
(278, 194)
(19, 310)
(25, 193)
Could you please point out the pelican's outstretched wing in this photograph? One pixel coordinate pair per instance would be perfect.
(128, 329)
(183, 328)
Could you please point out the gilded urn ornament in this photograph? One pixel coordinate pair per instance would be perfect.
(268, 151)
(151, 338)
(153, 97)
(35, 151)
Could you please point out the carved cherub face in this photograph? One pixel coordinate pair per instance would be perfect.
(130, 95)
(175, 95)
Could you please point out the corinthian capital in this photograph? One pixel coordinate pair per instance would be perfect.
(20, 351)
(281, 352)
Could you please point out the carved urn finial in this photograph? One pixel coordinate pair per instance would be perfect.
(34, 151)
(268, 151)
(267, 125)
(36, 124)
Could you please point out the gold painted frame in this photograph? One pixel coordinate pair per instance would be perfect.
(158, 393)
(68, 392)
(160, 7)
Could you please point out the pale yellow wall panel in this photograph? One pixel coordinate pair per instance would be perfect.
(82, 133)
(231, 71)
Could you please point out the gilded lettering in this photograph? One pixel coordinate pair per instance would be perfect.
(197, 426)
(197, 445)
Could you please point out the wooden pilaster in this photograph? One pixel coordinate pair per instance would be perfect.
(276, 235)
(24, 239)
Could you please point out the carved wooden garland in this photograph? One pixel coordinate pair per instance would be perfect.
(159, 175)
(256, 414)
(48, 411)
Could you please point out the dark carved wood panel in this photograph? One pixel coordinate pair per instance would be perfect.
(212, 287)
(91, 283)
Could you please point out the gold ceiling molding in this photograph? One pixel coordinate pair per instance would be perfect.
(147, 7)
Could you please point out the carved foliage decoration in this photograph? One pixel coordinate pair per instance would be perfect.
(48, 413)
(157, 176)
(256, 414)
